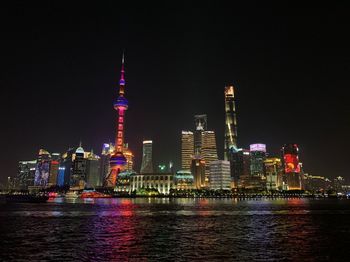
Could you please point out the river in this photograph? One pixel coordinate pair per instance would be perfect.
(162, 229)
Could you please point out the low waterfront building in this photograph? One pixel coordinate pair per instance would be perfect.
(123, 182)
(315, 183)
(162, 182)
(184, 180)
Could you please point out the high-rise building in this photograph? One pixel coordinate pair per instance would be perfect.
(78, 176)
(129, 158)
(42, 168)
(291, 165)
(187, 149)
(257, 158)
(220, 175)
(93, 170)
(117, 160)
(60, 176)
(147, 164)
(200, 126)
(240, 165)
(107, 150)
(198, 172)
(26, 174)
(273, 173)
(66, 167)
(230, 123)
(54, 165)
(209, 151)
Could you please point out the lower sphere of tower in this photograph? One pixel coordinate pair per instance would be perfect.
(117, 159)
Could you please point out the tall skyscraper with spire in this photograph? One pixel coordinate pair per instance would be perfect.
(230, 123)
(118, 161)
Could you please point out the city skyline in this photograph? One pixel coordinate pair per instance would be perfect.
(274, 106)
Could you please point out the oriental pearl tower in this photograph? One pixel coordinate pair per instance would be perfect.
(117, 160)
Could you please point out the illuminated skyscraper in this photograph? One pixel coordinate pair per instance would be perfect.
(208, 152)
(118, 161)
(78, 177)
(240, 166)
(107, 150)
(220, 175)
(200, 126)
(54, 164)
(198, 172)
(129, 158)
(147, 165)
(230, 122)
(273, 168)
(42, 168)
(187, 149)
(93, 170)
(257, 158)
(291, 165)
(26, 173)
(66, 167)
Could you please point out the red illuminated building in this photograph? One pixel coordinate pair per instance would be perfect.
(291, 165)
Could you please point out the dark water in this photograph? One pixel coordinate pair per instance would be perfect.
(180, 229)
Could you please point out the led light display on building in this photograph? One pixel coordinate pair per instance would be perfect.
(258, 147)
(42, 173)
(291, 164)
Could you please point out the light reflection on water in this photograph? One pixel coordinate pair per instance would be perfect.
(176, 229)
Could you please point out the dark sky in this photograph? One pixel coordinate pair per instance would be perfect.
(290, 65)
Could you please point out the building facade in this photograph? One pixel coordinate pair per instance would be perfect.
(291, 166)
(209, 151)
(187, 149)
(42, 170)
(161, 182)
(93, 163)
(124, 180)
(129, 158)
(240, 165)
(66, 167)
(273, 173)
(78, 176)
(230, 123)
(183, 180)
(220, 175)
(198, 172)
(257, 158)
(147, 163)
(26, 174)
(200, 122)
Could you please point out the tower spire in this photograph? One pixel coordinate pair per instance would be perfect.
(122, 79)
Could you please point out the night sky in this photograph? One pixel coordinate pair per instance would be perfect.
(290, 65)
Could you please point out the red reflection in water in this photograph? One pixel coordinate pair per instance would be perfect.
(118, 232)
